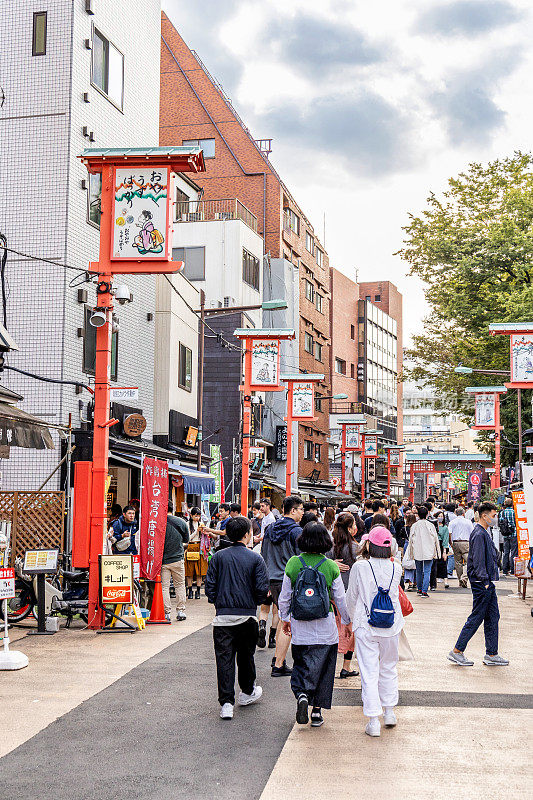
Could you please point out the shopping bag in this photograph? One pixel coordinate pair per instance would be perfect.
(405, 603)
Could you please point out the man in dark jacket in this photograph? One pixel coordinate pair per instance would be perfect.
(279, 544)
(378, 507)
(176, 535)
(236, 583)
(482, 570)
(122, 529)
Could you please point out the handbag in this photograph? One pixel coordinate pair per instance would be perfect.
(405, 603)
(192, 555)
(123, 543)
(408, 563)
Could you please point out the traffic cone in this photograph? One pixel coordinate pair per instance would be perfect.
(157, 612)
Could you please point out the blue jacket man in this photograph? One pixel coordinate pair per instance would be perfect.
(482, 569)
(121, 528)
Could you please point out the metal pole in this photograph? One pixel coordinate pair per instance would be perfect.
(519, 399)
(343, 458)
(200, 400)
(246, 425)
(412, 483)
(388, 473)
(363, 466)
(497, 441)
(288, 461)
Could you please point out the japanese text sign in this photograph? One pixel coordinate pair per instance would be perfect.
(352, 437)
(116, 579)
(154, 507)
(522, 528)
(522, 358)
(7, 583)
(302, 401)
(485, 410)
(371, 446)
(141, 213)
(265, 363)
(474, 487)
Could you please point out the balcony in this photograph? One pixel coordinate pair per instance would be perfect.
(208, 210)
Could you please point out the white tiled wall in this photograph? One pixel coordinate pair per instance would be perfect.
(43, 207)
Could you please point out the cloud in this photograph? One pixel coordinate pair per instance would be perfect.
(467, 17)
(467, 106)
(366, 132)
(315, 45)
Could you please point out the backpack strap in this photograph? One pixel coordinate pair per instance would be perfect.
(320, 563)
(303, 562)
(373, 573)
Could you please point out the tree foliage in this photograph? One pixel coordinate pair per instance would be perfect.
(473, 249)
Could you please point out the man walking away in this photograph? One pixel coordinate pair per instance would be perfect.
(236, 583)
(507, 525)
(460, 530)
(279, 544)
(482, 573)
(176, 535)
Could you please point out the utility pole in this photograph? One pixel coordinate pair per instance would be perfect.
(200, 396)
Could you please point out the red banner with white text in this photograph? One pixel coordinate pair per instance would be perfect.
(154, 508)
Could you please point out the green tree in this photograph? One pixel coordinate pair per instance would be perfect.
(473, 249)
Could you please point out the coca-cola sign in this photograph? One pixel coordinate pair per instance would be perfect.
(116, 579)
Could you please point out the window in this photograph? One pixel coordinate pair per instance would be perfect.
(250, 269)
(319, 302)
(352, 331)
(318, 351)
(292, 221)
(352, 370)
(368, 297)
(319, 255)
(309, 244)
(309, 343)
(185, 368)
(377, 298)
(207, 145)
(340, 366)
(194, 260)
(318, 402)
(308, 449)
(317, 451)
(38, 43)
(309, 291)
(94, 197)
(108, 69)
(89, 347)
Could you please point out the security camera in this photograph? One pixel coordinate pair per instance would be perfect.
(98, 317)
(123, 294)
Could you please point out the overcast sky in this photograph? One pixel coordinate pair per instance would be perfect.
(371, 104)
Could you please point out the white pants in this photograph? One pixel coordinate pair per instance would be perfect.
(377, 657)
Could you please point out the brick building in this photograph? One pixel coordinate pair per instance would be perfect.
(195, 109)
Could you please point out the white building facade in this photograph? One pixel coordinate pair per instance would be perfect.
(73, 75)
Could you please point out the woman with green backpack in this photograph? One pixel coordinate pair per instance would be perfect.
(310, 584)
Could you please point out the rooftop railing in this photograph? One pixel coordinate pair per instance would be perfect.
(208, 210)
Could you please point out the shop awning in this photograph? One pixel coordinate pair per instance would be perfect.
(20, 429)
(195, 482)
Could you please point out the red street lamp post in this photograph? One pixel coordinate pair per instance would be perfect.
(139, 180)
(261, 374)
(300, 408)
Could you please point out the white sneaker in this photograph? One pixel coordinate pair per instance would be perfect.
(389, 718)
(373, 727)
(226, 712)
(248, 699)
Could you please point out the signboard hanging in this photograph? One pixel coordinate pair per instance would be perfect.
(265, 358)
(303, 400)
(7, 583)
(216, 471)
(141, 214)
(371, 469)
(522, 526)
(280, 452)
(522, 358)
(116, 579)
(154, 506)
(394, 456)
(371, 446)
(474, 487)
(485, 410)
(353, 437)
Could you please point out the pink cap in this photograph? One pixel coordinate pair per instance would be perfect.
(380, 536)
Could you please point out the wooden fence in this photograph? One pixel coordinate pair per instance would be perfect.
(37, 520)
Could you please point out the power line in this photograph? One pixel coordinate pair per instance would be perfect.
(39, 258)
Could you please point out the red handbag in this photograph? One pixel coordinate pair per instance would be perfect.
(405, 603)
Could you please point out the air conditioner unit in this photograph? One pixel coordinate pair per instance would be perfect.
(223, 215)
(229, 301)
(192, 216)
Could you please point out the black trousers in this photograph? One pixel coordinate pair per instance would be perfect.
(485, 610)
(313, 672)
(235, 642)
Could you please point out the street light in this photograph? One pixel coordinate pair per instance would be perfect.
(462, 370)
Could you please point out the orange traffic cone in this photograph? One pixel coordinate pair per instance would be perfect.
(157, 612)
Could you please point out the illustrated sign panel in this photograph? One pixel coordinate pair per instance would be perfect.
(352, 437)
(303, 401)
(485, 414)
(140, 214)
(522, 358)
(265, 363)
(116, 579)
(394, 456)
(474, 486)
(154, 505)
(371, 446)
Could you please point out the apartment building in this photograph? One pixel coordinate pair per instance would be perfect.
(195, 110)
(73, 75)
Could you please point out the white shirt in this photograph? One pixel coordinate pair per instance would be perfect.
(460, 529)
(469, 514)
(315, 631)
(362, 588)
(266, 521)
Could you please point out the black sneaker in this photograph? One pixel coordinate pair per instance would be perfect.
(302, 710)
(197, 593)
(262, 638)
(189, 593)
(348, 673)
(424, 594)
(272, 639)
(281, 672)
(316, 718)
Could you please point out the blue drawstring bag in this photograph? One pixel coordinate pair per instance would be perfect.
(381, 611)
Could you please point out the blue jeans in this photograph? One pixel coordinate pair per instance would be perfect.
(485, 609)
(510, 550)
(423, 574)
(451, 564)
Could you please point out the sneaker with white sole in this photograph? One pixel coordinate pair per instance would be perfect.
(248, 699)
(459, 658)
(389, 718)
(495, 661)
(226, 712)
(373, 727)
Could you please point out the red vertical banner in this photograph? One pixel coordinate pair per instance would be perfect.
(154, 508)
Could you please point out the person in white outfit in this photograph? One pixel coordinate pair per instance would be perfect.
(377, 648)
(423, 547)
